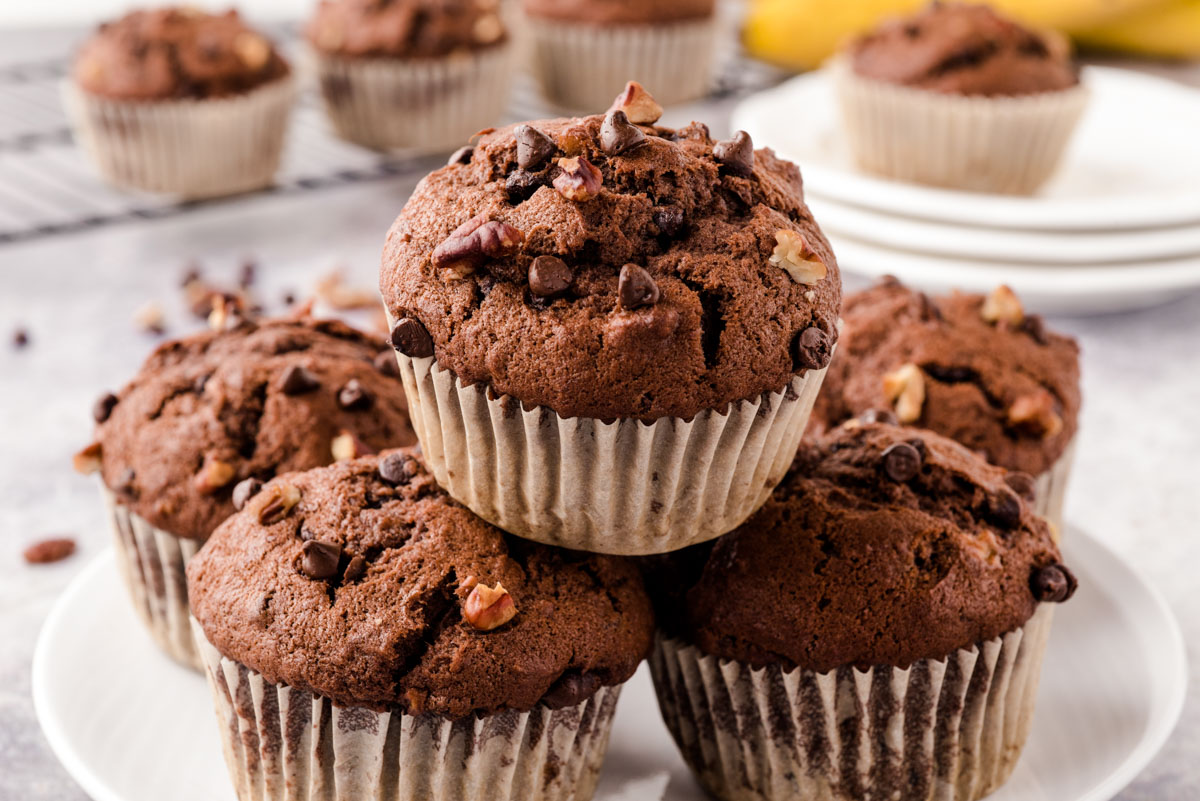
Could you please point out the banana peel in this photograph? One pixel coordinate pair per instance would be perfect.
(1169, 31)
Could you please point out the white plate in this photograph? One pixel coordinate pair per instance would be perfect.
(1132, 163)
(130, 725)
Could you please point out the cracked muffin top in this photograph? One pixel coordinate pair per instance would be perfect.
(365, 583)
(965, 49)
(883, 546)
(620, 12)
(404, 28)
(974, 368)
(606, 267)
(176, 53)
(214, 410)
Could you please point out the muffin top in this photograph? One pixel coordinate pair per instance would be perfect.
(964, 49)
(365, 583)
(606, 267)
(404, 28)
(973, 368)
(215, 409)
(176, 53)
(883, 546)
(620, 12)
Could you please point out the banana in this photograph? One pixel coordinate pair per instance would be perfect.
(1172, 31)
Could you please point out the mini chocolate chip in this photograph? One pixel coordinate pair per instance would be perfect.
(1022, 484)
(461, 156)
(534, 148)
(736, 154)
(1036, 328)
(520, 185)
(669, 220)
(1053, 583)
(901, 462)
(20, 338)
(618, 134)
(354, 396)
(245, 490)
(356, 569)
(397, 468)
(548, 276)
(879, 416)
(410, 338)
(1004, 510)
(811, 349)
(297, 380)
(636, 288)
(104, 406)
(385, 362)
(319, 560)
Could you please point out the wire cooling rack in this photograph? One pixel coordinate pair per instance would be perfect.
(47, 188)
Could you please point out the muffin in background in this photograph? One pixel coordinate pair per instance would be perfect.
(420, 74)
(415, 652)
(975, 368)
(211, 417)
(583, 51)
(875, 630)
(611, 333)
(960, 97)
(180, 101)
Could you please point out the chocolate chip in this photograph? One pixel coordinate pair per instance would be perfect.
(247, 275)
(461, 156)
(410, 338)
(901, 462)
(736, 154)
(289, 298)
(949, 374)
(49, 550)
(618, 134)
(1022, 484)
(385, 362)
(20, 338)
(572, 688)
(1004, 510)
(919, 444)
(879, 416)
(244, 490)
(929, 310)
(297, 380)
(534, 148)
(636, 288)
(354, 396)
(1036, 328)
(811, 349)
(397, 468)
(104, 406)
(319, 560)
(548, 276)
(669, 220)
(1053, 583)
(520, 185)
(356, 569)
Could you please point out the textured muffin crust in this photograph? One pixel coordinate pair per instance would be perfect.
(1008, 389)
(965, 49)
(176, 53)
(219, 408)
(404, 28)
(398, 630)
(620, 12)
(859, 560)
(706, 318)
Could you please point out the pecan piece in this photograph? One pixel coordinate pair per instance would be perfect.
(476, 240)
(579, 180)
(639, 106)
(905, 387)
(488, 608)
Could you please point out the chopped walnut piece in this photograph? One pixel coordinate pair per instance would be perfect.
(1035, 414)
(275, 503)
(905, 388)
(639, 106)
(214, 475)
(793, 253)
(488, 608)
(87, 461)
(1002, 306)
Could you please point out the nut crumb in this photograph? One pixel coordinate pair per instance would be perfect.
(87, 461)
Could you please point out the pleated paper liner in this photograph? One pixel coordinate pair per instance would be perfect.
(985, 144)
(1050, 489)
(621, 487)
(950, 729)
(152, 563)
(284, 744)
(582, 67)
(190, 148)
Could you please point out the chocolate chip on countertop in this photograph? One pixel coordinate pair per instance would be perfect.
(397, 468)
(410, 338)
(1022, 484)
(811, 349)
(319, 560)
(636, 288)
(385, 362)
(48, 551)
(669, 220)
(548, 276)
(461, 156)
(879, 416)
(534, 148)
(297, 380)
(618, 135)
(736, 154)
(901, 462)
(244, 491)
(354, 396)
(104, 406)
(1004, 509)
(20, 338)
(1053, 583)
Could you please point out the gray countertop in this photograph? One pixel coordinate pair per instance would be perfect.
(1135, 483)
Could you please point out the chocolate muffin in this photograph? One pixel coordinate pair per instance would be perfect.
(891, 560)
(434, 654)
(601, 291)
(211, 417)
(411, 73)
(974, 368)
(957, 95)
(181, 101)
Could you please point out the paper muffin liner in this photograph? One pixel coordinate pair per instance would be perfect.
(283, 743)
(947, 729)
(982, 144)
(152, 563)
(582, 67)
(423, 104)
(1050, 490)
(621, 487)
(190, 148)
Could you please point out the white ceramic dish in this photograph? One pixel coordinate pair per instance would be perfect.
(130, 725)
(1132, 163)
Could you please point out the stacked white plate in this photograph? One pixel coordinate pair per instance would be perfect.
(1118, 227)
